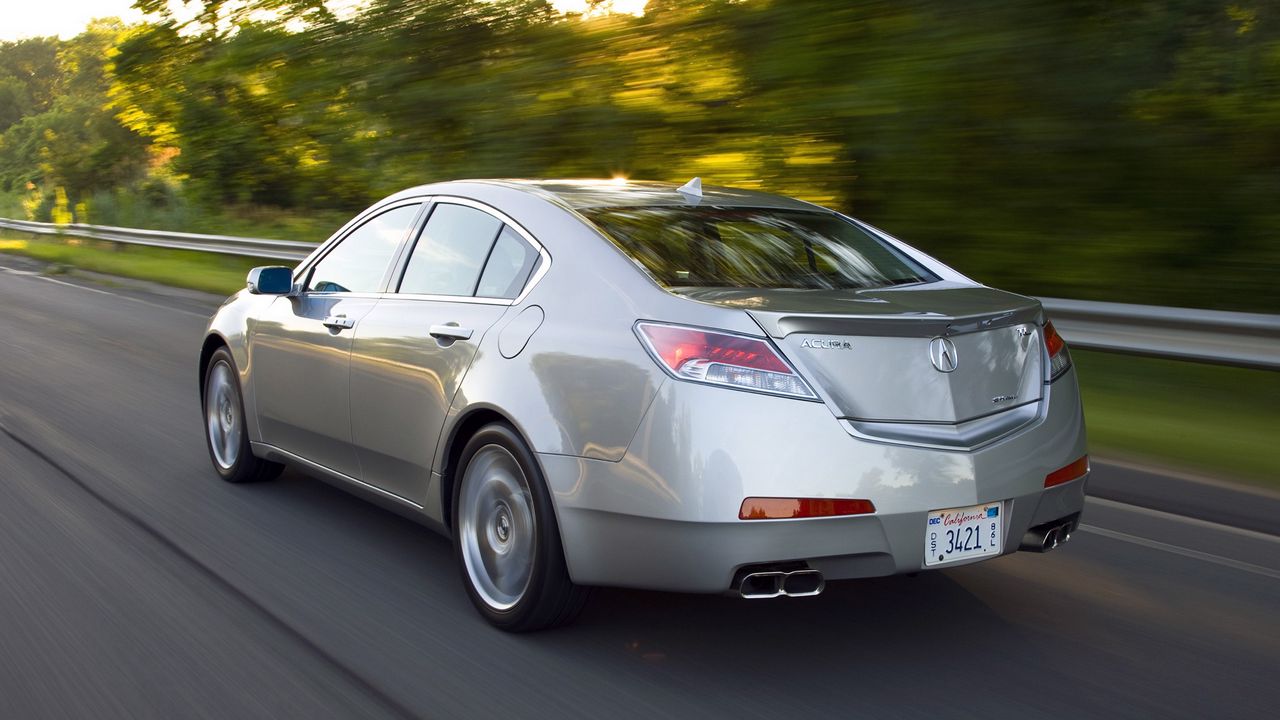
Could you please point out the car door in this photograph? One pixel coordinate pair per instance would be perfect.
(413, 349)
(301, 344)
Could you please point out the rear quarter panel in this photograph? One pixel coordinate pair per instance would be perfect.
(582, 383)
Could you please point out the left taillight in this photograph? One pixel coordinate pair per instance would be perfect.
(1059, 356)
(721, 358)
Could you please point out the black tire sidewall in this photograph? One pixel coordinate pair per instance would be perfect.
(244, 467)
(530, 612)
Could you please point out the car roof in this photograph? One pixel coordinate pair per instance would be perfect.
(595, 193)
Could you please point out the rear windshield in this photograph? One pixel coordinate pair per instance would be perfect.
(754, 248)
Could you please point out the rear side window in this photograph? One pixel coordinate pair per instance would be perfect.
(361, 259)
(754, 248)
(449, 256)
(510, 263)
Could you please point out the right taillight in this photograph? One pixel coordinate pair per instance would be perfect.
(720, 358)
(1059, 356)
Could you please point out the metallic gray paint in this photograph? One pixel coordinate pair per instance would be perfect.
(647, 472)
(402, 384)
(666, 515)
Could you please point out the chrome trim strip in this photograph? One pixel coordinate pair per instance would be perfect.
(449, 298)
(271, 452)
(543, 266)
(304, 266)
(963, 436)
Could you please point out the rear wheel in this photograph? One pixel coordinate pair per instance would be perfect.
(506, 539)
(224, 423)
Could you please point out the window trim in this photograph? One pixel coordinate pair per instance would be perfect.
(402, 262)
(302, 276)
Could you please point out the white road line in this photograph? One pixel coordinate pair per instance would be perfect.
(46, 278)
(1173, 517)
(1184, 552)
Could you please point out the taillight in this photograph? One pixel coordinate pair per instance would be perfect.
(1067, 473)
(1059, 356)
(720, 358)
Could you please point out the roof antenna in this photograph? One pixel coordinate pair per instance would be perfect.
(692, 190)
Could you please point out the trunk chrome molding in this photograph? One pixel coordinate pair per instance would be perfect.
(962, 437)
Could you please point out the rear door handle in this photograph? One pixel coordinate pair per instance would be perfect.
(450, 331)
(339, 322)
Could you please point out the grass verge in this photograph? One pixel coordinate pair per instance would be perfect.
(1207, 419)
(218, 274)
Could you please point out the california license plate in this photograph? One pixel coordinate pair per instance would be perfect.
(963, 533)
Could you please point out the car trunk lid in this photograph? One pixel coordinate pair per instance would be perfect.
(935, 353)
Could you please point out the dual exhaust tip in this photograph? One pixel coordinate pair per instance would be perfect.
(1044, 538)
(777, 583)
(766, 582)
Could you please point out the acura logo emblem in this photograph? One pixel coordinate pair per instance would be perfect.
(942, 353)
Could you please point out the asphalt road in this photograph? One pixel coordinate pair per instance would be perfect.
(134, 584)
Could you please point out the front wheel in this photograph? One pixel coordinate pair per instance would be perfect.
(224, 425)
(506, 539)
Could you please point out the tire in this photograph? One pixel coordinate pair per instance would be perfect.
(225, 432)
(506, 540)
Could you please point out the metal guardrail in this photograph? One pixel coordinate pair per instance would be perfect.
(1208, 336)
(224, 244)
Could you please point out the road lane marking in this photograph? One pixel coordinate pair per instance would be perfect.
(1184, 552)
(46, 278)
(1174, 517)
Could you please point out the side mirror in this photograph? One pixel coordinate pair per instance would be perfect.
(270, 280)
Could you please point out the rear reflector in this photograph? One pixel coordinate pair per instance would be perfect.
(1074, 471)
(1059, 357)
(720, 358)
(762, 508)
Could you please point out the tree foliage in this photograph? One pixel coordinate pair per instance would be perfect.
(1118, 151)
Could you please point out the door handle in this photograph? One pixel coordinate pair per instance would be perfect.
(339, 322)
(451, 331)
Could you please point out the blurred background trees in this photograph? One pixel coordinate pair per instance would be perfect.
(1101, 150)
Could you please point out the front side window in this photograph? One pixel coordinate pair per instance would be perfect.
(754, 248)
(360, 260)
(451, 252)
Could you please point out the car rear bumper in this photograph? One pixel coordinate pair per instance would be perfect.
(634, 551)
(665, 516)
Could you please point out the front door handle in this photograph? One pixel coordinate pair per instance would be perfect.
(339, 322)
(450, 331)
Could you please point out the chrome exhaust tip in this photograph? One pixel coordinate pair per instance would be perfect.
(803, 583)
(763, 584)
(1064, 533)
(1040, 539)
(1046, 537)
(760, 585)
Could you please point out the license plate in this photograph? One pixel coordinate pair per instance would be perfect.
(963, 533)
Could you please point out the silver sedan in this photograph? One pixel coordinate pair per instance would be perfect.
(636, 384)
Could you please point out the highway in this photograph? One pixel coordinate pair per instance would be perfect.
(135, 584)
